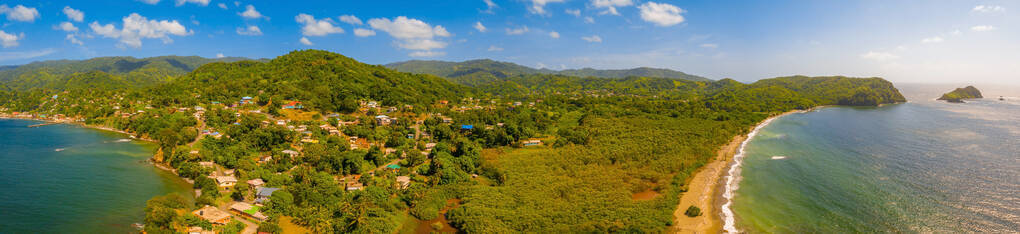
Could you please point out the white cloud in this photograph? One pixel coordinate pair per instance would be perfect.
(426, 54)
(422, 44)
(517, 31)
(710, 45)
(74, 39)
(491, 6)
(982, 28)
(363, 32)
(304, 40)
(480, 27)
(988, 8)
(661, 14)
(589, 19)
(75, 15)
(494, 48)
(8, 40)
(407, 28)
(313, 27)
(136, 27)
(574, 12)
(199, 2)
(554, 34)
(935, 39)
(413, 34)
(350, 19)
(222, 5)
(538, 6)
(66, 27)
(250, 13)
(4, 56)
(956, 32)
(593, 38)
(879, 56)
(150, 2)
(611, 5)
(219, 55)
(20, 13)
(251, 30)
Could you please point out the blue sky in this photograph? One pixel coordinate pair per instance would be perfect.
(904, 41)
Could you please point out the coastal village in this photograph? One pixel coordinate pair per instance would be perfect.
(243, 195)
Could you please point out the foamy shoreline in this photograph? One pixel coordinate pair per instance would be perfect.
(733, 174)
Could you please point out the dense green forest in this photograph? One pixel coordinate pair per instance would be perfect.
(473, 72)
(958, 94)
(131, 71)
(517, 152)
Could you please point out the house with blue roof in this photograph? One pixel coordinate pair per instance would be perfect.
(262, 194)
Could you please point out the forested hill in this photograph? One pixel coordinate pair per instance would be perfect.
(473, 72)
(129, 71)
(958, 94)
(322, 80)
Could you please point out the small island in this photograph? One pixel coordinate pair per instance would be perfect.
(957, 95)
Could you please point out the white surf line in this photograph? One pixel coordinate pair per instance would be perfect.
(733, 176)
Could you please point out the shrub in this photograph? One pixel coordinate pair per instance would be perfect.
(693, 211)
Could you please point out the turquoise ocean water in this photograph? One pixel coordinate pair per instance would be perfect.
(919, 167)
(70, 179)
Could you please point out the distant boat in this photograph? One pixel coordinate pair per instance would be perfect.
(123, 140)
(58, 150)
(1002, 98)
(778, 157)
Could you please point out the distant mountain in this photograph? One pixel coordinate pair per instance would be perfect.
(959, 94)
(484, 71)
(126, 71)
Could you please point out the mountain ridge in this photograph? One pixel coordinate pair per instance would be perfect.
(501, 69)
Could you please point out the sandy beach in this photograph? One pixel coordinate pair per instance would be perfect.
(702, 193)
(706, 188)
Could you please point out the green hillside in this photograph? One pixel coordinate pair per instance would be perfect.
(473, 72)
(322, 80)
(134, 72)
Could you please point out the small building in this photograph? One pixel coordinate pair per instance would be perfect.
(226, 181)
(281, 122)
(213, 215)
(466, 127)
(532, 143)
(447, 119)
(393, 167)
(293, 105)
(249, 210)
(207, 164)
(256, 183)
(262, 194)
(246, 100)
(355, 186)
(404, 181)
(291, 153)
(383, 120)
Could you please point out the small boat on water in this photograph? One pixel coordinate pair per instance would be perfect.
(1001, 98)
(778, 157)
(123, 140)
(58, 150)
